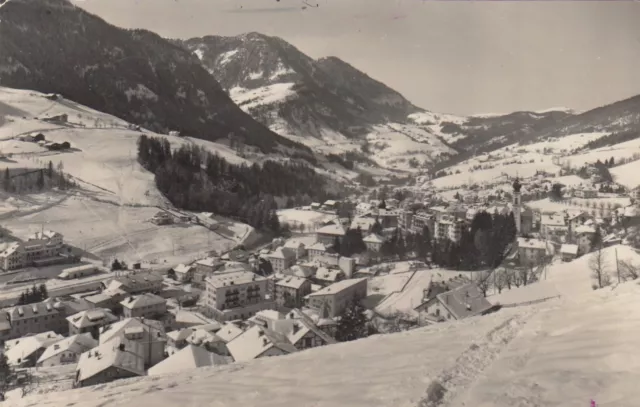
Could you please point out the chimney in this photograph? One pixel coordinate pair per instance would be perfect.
(121, 347)
(265, 342)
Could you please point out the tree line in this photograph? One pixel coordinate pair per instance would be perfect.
(34, 295)
(195, 179)
(35, 180)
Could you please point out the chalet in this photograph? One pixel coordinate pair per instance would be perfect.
(315, 206)
(318, 249)
(326, 276)
(150, 334)
(62, 118)
(258, 342)
(584, 237)
(373, 242)
(145, 305)
(162, 218)
(25, 352)
(553, 226)
(330, 205)
(290, 291)
(90, 321)
(328, 234)
(336, 297)
(569, 252)
(67, 350)
(461, 302)
(282, 258)
(183, 273)
(302, 332)
(532, 251)
(137, 283)
(116, 359)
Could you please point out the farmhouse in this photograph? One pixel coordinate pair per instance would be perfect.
(117, 359)
(67, 350)
(461, 302)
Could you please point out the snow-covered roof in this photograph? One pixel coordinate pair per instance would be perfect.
(569, 249)
(582, 229)
(373, 238)
(229, 331)
(121, 328)
(552, 220)
(38, 309)
(92, 317)
(326, 274)
(76, 344)
(333, 230)
(17, 350)
(531, 243)
(464, 301)
(209, 261)
(180, 335)
(292, 282)
(182, 269)
(257, 340)
(233, 278)
(109, 355)
(319, 246)
(191, 357)
(298, 271)
(10, 249)
(339, 286)
(282, 253)
(142, 301)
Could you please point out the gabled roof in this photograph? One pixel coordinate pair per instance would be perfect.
(319, 246)
(569, 249)
(325, 274)
(182, 269)
(17, 350)
(229, 332)
(120, 329)
(109, 355)
(332, 229)
(282, 253)
(373, 238)
(337, 287)
(233, 278)
(191, 357)
(531, 243)
(292, 282)
(257, 340)
(143, 300)
(21, 312)
(307, 325)
(584, 229)
(76, 344)
(464, 301)
(92, 317)
(552, 220)
(181, 335)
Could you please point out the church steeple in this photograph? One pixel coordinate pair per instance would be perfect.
(517, 208)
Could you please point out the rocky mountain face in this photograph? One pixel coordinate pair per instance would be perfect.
(308, 95)
(53, 46)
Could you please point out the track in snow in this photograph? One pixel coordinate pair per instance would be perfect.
(475, 360)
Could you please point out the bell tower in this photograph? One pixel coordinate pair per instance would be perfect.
(517, 204)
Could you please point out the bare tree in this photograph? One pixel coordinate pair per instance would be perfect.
(598, 267)
(508, 278)
(483, 281)
(499, 279)
(628, 270)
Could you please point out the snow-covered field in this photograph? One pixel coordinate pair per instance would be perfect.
(627, 174)
(546, 205)
(106, 230)
(311, 219)
(108, 215)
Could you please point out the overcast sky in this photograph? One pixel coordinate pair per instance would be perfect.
(454, 57)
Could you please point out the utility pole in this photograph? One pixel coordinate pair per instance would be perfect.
(617, 266)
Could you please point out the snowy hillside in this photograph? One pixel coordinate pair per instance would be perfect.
(559, 353)
(109, 212)
(326, 104)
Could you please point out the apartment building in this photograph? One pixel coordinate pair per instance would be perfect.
(334, 299)
(236, 295)
(36, 318)
(290, 291)
(329, 233)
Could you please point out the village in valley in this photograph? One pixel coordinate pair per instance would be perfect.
(404, 258)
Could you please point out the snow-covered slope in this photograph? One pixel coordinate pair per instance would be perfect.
(108, 214)
(326, 104)
(558, 353)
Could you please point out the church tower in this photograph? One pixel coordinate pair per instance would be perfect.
(517, 204)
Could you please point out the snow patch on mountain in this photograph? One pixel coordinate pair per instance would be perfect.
(266, 95)
(226, 57)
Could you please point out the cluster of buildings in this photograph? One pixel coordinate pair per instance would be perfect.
(40, 249)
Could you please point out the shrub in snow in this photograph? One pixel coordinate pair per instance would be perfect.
(435, 394)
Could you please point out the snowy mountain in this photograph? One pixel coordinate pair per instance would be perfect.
(55, 47)
(326, 104)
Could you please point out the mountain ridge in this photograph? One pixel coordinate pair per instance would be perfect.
(133, 74)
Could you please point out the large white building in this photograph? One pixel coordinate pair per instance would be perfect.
(39, 246)
(236, 294)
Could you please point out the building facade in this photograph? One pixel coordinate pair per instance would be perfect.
(236, 295)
